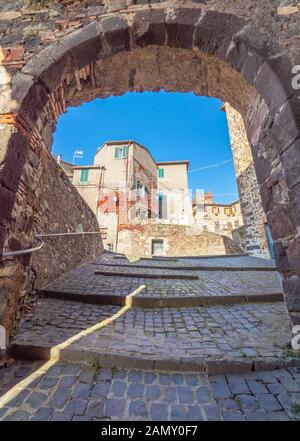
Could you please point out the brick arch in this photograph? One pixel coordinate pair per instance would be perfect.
(177, 49)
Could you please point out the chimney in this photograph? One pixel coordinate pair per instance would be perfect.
(209, 198)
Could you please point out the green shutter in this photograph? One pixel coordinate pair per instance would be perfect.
(121, 152)
(161, 172)
(84, 175)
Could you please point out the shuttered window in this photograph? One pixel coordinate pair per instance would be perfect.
(121, 152)
(161, 172)
(84, 175)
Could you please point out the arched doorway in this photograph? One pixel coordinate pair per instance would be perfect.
(176, 49)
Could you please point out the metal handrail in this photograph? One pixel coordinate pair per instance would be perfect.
(66, 234)
(26, 251)
(42, 243)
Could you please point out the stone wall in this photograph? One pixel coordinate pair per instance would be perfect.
(179, 240)
(61, 209)
(52, 205)
(253, 214)
(238, 237)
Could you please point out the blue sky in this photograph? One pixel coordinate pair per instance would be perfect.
(173, 126)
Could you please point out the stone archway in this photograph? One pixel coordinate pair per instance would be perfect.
(194, 48)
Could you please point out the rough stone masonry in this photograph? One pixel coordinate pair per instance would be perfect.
(60, 53)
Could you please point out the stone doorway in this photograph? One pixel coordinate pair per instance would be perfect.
(157, 247)
(183, 48)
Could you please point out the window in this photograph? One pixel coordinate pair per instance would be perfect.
(121, 152)
(84, 175)
(215, 210)
(227, 211)
(236, 223)
(139, 188)
(229, 225)
(162, 206)
(217, 225)
(161, 172)
(144, 215)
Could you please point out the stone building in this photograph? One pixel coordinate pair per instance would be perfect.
(215, 217)
(258, 240)
(125, 186)
(162, 239)
(118, 186)
(144, 207)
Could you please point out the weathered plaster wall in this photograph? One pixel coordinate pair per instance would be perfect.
(250, 200)
(89, 190)
(174, 187)
(179, 240)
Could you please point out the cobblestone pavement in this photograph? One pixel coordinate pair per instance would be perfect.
(156, 363)
(244, 332)
(84, 282)
(85, 393)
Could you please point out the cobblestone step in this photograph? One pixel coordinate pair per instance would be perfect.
(190, 301)
(162, 301)
(185, 268)
(209, 288)
(63, 392)
(172, 258)
(84, 281)
(118, 360)
(130, 274)
(166, 356)
(167, 259)
(239, 260)
(225, 339)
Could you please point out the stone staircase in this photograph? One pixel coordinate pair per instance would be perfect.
(114, 347)
(213, 315)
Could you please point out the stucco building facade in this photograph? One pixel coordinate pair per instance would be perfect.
(174, 194)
